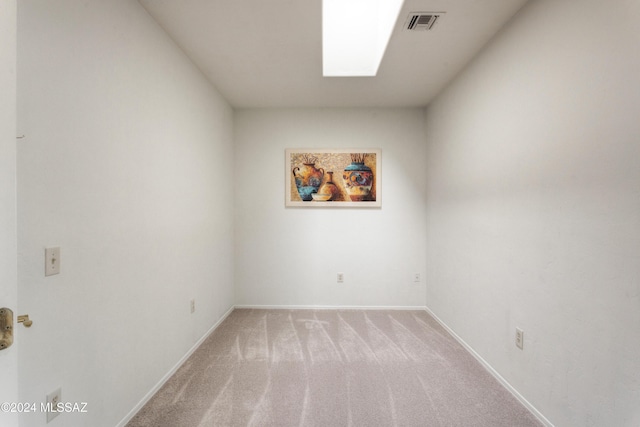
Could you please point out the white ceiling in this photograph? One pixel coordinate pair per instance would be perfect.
(268, 53)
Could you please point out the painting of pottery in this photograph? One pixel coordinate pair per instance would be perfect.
(333, 177)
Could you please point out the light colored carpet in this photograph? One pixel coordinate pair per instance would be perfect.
(331, 368)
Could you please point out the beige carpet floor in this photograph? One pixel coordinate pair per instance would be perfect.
(331, 368)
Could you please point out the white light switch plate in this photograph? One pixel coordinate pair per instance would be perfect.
(51, 261)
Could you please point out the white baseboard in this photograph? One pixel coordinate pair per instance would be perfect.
(493, 372)
(173, 370)
(331, 307)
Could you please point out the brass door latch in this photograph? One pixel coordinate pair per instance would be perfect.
(6, 328)
(24, 319)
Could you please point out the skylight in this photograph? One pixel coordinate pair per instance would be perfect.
(355, 34)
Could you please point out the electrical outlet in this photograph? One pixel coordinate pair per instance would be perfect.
(340, 277)
(416, 277)
(51, 261)
(53, 399)
(193, 306)
(519, 338)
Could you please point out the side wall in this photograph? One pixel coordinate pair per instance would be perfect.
(533, 189)
(8, 290)
(126, 146)
(291, 256)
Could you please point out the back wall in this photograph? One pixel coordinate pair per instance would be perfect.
(291, 256)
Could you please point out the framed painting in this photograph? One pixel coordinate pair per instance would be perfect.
(333, 177)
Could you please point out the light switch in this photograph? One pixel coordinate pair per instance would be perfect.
(51, 261)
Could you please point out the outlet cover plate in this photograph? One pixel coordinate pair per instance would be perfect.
(53, 399)
(519, 338)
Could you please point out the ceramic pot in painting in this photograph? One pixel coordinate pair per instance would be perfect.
(308, 179)
(329, 191)
(358, 180)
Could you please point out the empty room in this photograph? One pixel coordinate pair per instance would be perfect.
(213, 213)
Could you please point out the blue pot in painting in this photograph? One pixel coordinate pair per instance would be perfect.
(308, 179)
(358, 179)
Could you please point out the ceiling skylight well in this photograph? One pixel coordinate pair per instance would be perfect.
(355, 34)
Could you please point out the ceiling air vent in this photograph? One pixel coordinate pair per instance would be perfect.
(422, 21)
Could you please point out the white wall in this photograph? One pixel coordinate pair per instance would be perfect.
(125, 165)
(290, 256)
(533, 189)
(8, 290)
